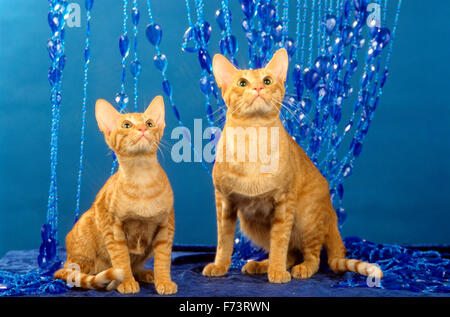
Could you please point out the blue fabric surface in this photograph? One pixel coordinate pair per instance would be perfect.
(186, 272)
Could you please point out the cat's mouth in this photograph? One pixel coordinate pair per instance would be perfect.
(258, 97)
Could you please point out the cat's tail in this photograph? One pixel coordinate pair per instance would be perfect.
(339, 264)
(104, 279)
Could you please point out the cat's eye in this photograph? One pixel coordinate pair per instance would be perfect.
(267, 81)
(149, 123)
(126, 124)
(242, 82)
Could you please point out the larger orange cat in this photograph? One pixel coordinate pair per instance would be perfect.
(132, 216)
(285, 209)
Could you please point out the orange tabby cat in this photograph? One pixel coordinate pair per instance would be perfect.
(286, 210)
(132, 216)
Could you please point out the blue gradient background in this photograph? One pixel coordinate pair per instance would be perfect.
(398, 193)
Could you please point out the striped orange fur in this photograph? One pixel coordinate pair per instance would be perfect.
(132, 217)
(286, 211)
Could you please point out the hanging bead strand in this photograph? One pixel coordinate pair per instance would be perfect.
(87, 59)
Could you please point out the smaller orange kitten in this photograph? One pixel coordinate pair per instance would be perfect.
(132, 217)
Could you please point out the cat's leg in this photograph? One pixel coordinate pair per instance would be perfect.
(115, 242)
(226, 227)
(280, 233)
(261, 267)
(162, 247)
(312, 239)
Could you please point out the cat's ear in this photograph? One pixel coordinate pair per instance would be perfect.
(278, 65)
(156, 111)
(106, 116)
(223, 71)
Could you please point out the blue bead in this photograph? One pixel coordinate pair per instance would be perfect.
(357, 149)
(54, 21)
(167, 87)
(248, 7)
(214, 88)
(54, 75)
(337, 45)
(364, 79)
(321, 92)
(250, 37)
(245, 25)
(88, 4)
(383, 78)
(336, 113)
(347, 170)
(205, 30)
(87, 55)
(46, 232)
(277, 31)
(205, 60)
(314, 144)
(205, 85)
(223, 46)
(296, 73)
(154, 33)
(266, 12)
(190, 40)
(342, 215)
(305, 105)
(135, 15)
(220, 18)
(135, 68)
(347, 35)
(299, 88)
(337, 87)
(289, 45)
(121, 100)
(61, 62)
(311, 78)
(340, 190)
(330, 23)
(231, 45)
(353, 65)
(124, 45)
(209, 111)
(360, 5)
(54, 48)
(160, 62)
(266, 42)
(383, 36)
(322, 65)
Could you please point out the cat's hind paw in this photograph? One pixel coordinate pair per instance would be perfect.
(145, 276)
(254, 267)
(213, 269)
(302, 271)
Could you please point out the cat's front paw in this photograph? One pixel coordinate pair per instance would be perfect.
(278, 276)
(128, 287)
(166, 288)
(213, 269)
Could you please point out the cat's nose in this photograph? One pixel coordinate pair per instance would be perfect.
(258, 88)
(142, 128)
